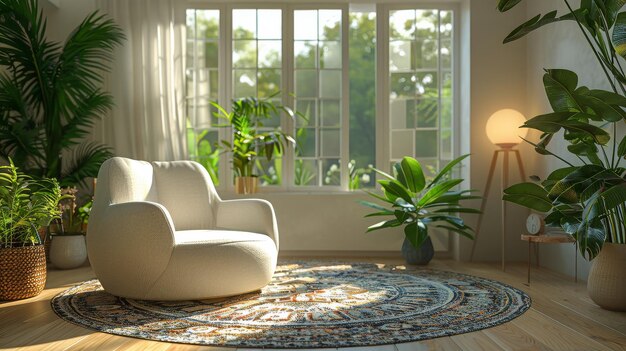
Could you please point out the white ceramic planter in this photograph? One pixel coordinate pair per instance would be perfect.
(68, 251)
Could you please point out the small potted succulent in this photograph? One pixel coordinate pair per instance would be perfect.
(416, 203)
(68, 249)
(26, 205)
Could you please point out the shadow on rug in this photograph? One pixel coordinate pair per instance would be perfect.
(309, 305)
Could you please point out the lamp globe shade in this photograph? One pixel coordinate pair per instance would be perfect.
(503, 128)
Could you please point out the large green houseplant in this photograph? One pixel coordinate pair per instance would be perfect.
(416, 203)
(50, 92)
(250, 140)
(26, 205)
(587, 198)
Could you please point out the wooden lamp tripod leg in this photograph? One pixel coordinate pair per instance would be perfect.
(483, 204)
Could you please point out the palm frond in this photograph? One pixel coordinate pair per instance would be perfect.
(86, 162)
(88, 110)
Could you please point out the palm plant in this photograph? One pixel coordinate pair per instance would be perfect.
(50, 93)
(588, 197)
(415, 203)
(25, 206)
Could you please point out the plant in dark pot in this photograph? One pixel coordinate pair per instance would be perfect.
(587, 198)
(26, 204)
(68, 248)
(416, 203)
(250, 140)
(50, 93)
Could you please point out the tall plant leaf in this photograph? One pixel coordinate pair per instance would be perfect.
(619, 35)
(410, 174)
(528, 195)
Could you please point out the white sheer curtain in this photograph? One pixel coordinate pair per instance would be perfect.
(147, 81)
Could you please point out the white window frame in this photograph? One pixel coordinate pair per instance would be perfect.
(382, 124)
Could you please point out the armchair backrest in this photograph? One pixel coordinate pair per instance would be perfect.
(184, 188)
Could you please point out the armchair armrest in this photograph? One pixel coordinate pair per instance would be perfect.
(133, 240)
(252, 215)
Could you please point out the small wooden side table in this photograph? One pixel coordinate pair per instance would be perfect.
(550, 239)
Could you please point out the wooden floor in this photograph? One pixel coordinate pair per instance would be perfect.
(562, 317)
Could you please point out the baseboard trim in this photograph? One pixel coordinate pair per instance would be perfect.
(349, 254)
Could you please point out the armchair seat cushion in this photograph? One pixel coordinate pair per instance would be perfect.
(218, 262)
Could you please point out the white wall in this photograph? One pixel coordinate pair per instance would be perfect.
(325, 222)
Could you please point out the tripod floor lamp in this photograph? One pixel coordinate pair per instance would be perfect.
(502, 130)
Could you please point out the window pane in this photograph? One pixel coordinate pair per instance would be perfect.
(425, 54)
(244, 24)
(332, 172)
(306, 83)
(401, 144)
(330, 142)
(269, 53)
(270, 24)
(402, 24)
(207, 24)
(268, 82)
(305, 54)
(330, 54)
(400, 55)
(211, 54)
(305, 172)
(331, 113)
(403, 85)
(426, 143)
(329, 25)
(402, 114)
(427, 113)
(426, 24)
(244, 54)
(305, 25)
(244, 82)
(330, 84)
(308, 110)
(426, 84)
(305, 138)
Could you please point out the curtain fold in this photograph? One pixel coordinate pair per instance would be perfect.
(147, 81)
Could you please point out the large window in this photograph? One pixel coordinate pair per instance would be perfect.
(325, 62)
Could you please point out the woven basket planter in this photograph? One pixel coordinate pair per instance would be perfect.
(22, 272)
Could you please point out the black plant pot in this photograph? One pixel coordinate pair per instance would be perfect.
(420, 256)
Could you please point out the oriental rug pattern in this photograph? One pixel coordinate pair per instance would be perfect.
(309, 305)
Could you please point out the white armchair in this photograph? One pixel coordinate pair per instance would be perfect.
(159, 231)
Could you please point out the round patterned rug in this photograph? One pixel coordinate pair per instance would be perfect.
(309, 305)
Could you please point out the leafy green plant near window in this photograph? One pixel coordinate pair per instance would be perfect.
(26, 204)
(249, 140)
(588, 197)
(415, 203)
(50, 93)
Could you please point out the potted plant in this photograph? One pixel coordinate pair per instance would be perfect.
(587, 199)
(68, 249)
(50, 93)
(26, 205)
(250, 140)
(416, 203)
